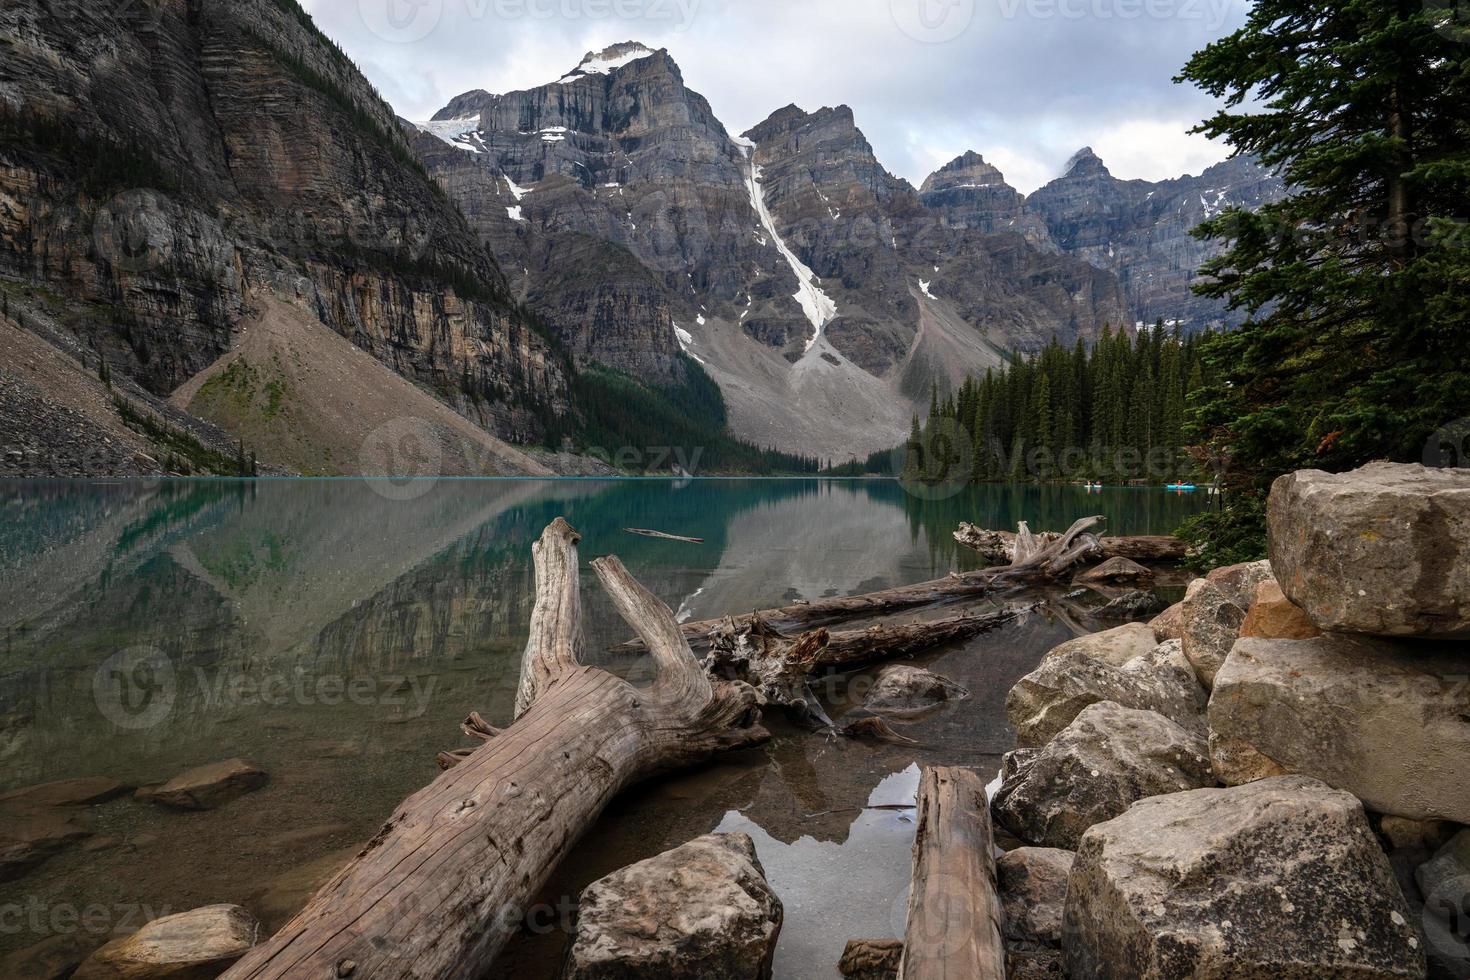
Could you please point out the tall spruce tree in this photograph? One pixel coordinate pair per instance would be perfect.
(1357, 285)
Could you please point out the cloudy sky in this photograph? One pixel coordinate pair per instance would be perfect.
(1025, 82)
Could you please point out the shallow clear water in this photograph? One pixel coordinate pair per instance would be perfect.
(336, 632)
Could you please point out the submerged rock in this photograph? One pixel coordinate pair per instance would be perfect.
(86, 791)
(29, 837)
(1383, 550)
(1281, 878)
(871, 959)
(1381, 719)
(195, 945)
(1211, 624)
(1051, 697)
(1033, 888)
(207, 787)
(900, 689)
(1107, 759)
(702, 911)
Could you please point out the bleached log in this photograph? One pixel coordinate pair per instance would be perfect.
(437, 892)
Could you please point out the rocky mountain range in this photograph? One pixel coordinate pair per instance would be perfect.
(824, 294)
(213, 231)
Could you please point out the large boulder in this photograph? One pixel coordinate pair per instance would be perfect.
(702, 911)
(1272, 616)
(1169, 624)
(1281, 878)
(1384, 549)
(1384, 720)
(195, 945)
(1106, 760)
(206, 787)
(902, 690)
(1051, 697)
(1239, 582)
(1211, 625)
(1033, 889)
(1116, 646)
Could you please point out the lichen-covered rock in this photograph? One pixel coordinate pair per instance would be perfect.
(1033, 889)
(1211, 625)
(195, 945)
(899, 689)
(1116, 571)
(1383, 550)
(1169, 624)
(1239, 582)
(1384, 720)
(871, 959)
(209, 786)
(1106, 760)
(1281, 878)
(1116, 646)
(1049, 698)
(702, 911)
(1272, 616)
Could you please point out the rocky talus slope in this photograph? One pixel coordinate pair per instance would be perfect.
(1308, 818)
(165, 167)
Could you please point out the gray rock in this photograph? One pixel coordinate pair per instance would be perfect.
(1281, 878)
(1239, 582)
(900, 689)
(1116, 646)
(1445, 879)
(1116, 571)
(702, 911)
(1383, 550)
(1033, 888)
(1384, 720)
(1049, 698)
(1106, 760)
(1211, 625)
(194, 945)
(206, 787)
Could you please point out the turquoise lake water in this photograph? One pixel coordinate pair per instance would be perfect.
(335, 633)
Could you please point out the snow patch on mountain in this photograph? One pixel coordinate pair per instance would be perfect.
(458, 133)
(607, 61)
(819, 308)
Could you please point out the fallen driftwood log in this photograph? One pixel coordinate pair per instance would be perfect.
(955, 913)
(1000, 546)
(779, 667)
(445, 882)
(663, 536)
(1049, 562)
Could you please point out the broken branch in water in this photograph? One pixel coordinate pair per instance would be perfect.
(1001, 547)
(662, 536)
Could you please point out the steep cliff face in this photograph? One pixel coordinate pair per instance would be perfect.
(969, 193)
(162, 165)
(1140, 230)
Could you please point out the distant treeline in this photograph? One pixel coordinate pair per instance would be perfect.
(1114, 412)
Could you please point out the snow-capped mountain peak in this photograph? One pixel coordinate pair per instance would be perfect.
(608, 60)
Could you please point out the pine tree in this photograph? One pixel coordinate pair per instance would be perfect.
(1357, 285)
